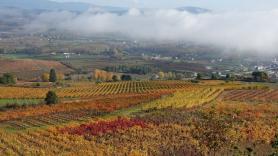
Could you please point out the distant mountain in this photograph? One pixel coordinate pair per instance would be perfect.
(51, 5)
(194, 10)
(44, 5)
(75, 6)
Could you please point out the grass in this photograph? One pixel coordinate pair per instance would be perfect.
(5, 103)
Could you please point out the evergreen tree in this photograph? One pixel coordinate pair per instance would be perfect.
(214, 76)
(199, 76)
(51, 98)
(126, 78)
(228, 76)
(52, 76)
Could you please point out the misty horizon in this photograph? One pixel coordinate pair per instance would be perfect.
(224, 29)
(217, 5)
(245, 31)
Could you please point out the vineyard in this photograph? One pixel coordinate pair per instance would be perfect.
(254, 95)
(143, 118)
(41, 116)
(88, 90)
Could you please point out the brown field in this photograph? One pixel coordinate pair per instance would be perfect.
(30, 69)
(168, 66)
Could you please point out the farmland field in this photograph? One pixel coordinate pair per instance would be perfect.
(87, 90)
(4, 103)
(29, 69)
(254, 95)
(142, 118)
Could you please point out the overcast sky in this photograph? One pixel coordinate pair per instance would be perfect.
(210, 4)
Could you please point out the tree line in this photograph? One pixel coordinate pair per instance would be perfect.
(104, 76)
(141, 70)
(256, 76)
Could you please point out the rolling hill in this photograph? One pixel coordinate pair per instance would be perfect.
(29, 69)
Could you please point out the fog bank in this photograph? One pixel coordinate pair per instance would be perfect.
(244, 31)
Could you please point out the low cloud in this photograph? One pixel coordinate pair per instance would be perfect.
(244, 31)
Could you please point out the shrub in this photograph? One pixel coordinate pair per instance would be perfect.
(275, 142)
(51, 98)
(8, 79)
(195, 81)
(126, 78)
(116, 78)
(37, 84)
(12, 106)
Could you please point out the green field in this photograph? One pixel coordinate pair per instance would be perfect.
(6, 103)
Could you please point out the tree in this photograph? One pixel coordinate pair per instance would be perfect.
(214, 76)
(116, 78)
(126, 78)
(8, 78)
(101, 75)
(51, 98)
(161, 75)
(45, 77)
(52, 76)
(97, 74)
(260, 76)
(60, 76)
(230, 77)
(199, 76)
(169, 75)
(108, 76)
(179, 76)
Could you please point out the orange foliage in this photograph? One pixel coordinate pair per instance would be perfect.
(104, 103)
(103, 75)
